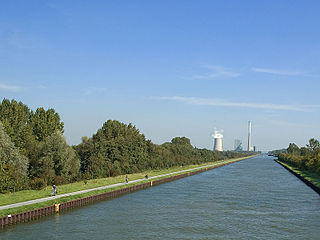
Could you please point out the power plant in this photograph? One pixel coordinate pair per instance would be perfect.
(237, 145)
(250, 148)
(218, 136)
(217, 140)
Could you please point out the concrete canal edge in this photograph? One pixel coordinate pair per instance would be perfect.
(307, 182)
(59, 207)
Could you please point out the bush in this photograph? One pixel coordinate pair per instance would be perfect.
(86, 176)
(59, 180)
(38, 183)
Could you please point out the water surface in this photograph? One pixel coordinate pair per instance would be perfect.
(251, 199)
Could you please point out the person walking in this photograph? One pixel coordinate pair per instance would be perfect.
(54, 190)
(127, 179)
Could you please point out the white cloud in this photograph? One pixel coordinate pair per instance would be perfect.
(215, 71)
(10, 88)
(224, 103)
(277, 71)
(285, 123)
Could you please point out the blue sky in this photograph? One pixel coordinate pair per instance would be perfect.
(172, 68)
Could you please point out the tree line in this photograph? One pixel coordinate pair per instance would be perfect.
(305, 158)
(34, 152)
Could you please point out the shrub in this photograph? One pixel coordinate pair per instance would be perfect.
(38, 183)
(59, 180)
(86, 176)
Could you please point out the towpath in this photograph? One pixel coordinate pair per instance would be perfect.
(108, 186)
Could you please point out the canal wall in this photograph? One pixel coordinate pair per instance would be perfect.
(45, 211)
(307, 182)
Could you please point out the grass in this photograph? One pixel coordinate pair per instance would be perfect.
(59, 200)
(308, 175)
(21, 196)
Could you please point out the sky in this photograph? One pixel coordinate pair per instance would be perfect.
(172, 68)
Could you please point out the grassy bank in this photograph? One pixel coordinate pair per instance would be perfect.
(308, 175)
(26, 195)
(59, 200)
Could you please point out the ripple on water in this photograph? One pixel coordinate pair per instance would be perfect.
(251, 199)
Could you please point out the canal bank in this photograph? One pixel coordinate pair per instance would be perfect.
(62, 204)
(302, 178)
(252, 199)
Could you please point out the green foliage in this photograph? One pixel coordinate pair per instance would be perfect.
(44, 123)
(86, 177)
(35, 154)
(27, 129)
(38, 183)
(15, 117)
(13, 166)
(59, 180)
(57, 159)
(304, 158)
(118, 148)
(293, 149)
(26, 195)
(181, 141)
(314, 146)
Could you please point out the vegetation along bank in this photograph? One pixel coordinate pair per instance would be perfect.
(303, 162)
(34, 154)
(30, 212)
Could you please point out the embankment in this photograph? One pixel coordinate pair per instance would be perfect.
(63, 206)
(307, 182)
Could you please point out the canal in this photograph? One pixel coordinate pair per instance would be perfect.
(252, 199)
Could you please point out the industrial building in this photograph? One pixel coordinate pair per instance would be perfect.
(250, 147)
(237, 145)
(217, 140)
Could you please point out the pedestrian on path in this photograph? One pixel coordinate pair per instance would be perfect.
(127, 179)
(147, 176)
(54, 190)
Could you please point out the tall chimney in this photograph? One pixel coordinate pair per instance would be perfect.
(249, 137)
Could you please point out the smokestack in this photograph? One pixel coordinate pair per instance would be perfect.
(249, 137)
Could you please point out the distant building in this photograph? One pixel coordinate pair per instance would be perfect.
(217, 140)
(237, 145)
(250, 148)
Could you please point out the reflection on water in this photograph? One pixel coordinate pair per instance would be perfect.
(251, 199)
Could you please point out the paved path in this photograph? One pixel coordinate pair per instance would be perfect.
(105, 187)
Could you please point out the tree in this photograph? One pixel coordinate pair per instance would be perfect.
(26, 128)
(293, 149)
(181, 141)
(58, 159)
(15, 117)
(314, 145)
(44, 123)
(98, 167)
(84, 151)
(116, 148)
(13, 166)
(307, 158)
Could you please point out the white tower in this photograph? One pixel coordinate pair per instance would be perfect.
(250, 148)
(217, 140)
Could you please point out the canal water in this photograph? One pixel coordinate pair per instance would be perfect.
(252, 199)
